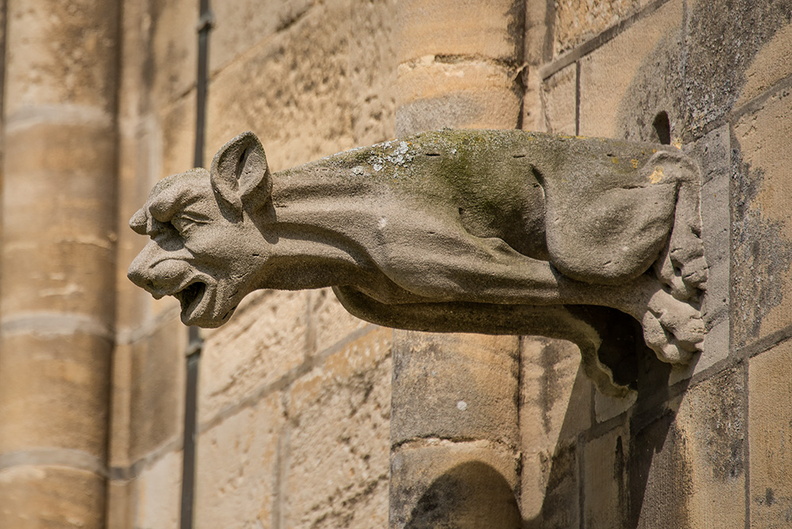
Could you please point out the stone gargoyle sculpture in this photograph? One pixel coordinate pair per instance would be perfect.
(497, 232)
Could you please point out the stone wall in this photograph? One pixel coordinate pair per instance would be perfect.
(293, 394)
(295, 426)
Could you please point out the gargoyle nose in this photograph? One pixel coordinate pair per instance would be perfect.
(138, 277)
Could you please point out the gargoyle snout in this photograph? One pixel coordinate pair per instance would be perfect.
(142, 270)
(139, 274)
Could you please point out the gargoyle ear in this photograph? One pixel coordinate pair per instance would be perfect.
(240, 174)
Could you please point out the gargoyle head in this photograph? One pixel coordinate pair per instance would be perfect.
(205, 246)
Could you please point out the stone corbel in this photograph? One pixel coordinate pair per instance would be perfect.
(496, 232)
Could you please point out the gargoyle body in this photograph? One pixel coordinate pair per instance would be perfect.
(478, 231)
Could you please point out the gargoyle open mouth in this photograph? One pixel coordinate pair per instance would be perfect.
(191, 296)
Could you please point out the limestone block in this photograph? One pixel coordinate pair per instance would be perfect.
(157, 389)
(769, 66)
(120, 503)
(577, 21)
(80, 158)
(619, 92)
(120, 408)
(372, 70)
(712, 421)
(555, 395)
(170, 51)
(465, 485)
(559, 94)
(336, 449)
(242, 24)
(330, 322)
(605, 483)
(349, 359)
(762, 221)
(57, 396)
(46, 70)
(303, 116)
(688, 469)
(454, 27)
(76, 289)
(455, 387)
(157, 493)
(32, 497)
(265, 341)
(769, 432)
(549, 491)
(533, 113)
(731, 51)
(238, 467)
(173, 144)
(435, 93)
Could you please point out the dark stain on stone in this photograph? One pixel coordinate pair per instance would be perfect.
(769, 496)
(696, 75)
(725, 428)
(761, 254)
(660, 482)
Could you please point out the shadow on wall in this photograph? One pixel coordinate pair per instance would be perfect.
(470, 495)
(474, 495)
(620, 485)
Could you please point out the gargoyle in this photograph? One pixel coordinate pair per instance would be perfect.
(494, 232)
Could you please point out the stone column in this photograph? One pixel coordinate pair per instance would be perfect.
(57, 286)
(454, 426)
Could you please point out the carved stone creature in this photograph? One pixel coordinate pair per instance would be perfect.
(478, 231)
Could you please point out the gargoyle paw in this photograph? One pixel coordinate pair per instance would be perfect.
(673, 329)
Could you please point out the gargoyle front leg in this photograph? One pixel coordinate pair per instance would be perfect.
(681, 265)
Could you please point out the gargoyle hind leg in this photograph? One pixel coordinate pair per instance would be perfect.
(551, 322)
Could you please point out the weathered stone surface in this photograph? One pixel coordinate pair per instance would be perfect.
(330, 322)
(239, 460)
(769, 66)
(762, 221)
(769, 432)
(335, 451)
(157, 389)
(605, 481)
(75, 235)
(559, 94)
(550, 484)
(712, 421)
(270, 339)
(554, 408)
(722, 45)
(157, 492)
(453, 27)
(61, 377)
(435, 93)
(577, 21)
(239, 26)
(455, 387)
(372, 70)
(619, 93)
(169, 67)
(444, 484)
(555, 396)
(44, 68)
(688, 469)
(306, 114)
(47, 496)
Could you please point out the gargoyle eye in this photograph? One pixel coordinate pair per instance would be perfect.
(182, 224)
